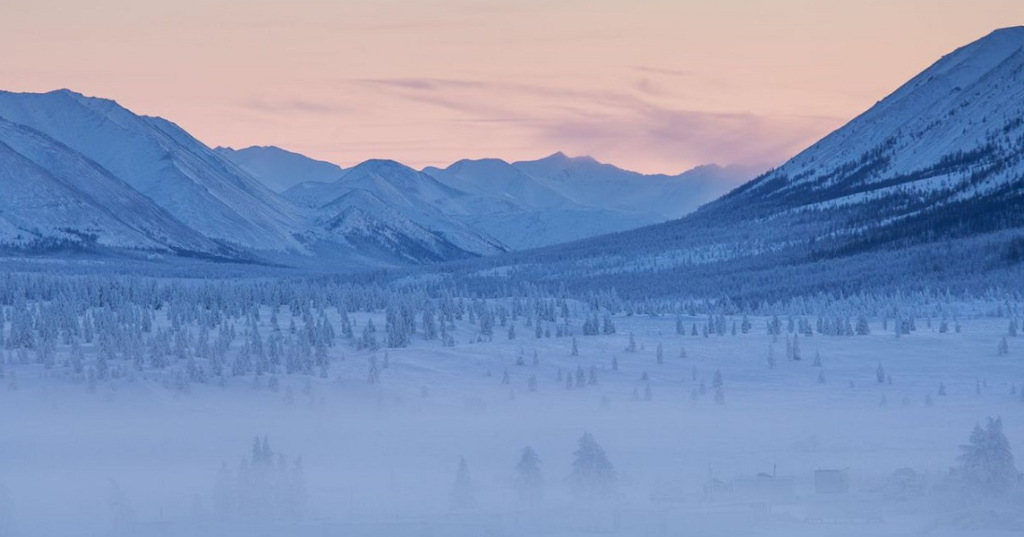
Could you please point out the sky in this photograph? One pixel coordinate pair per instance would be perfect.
(650, 85)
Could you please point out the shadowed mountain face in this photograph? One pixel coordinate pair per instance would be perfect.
(164, 163)
(53, 196)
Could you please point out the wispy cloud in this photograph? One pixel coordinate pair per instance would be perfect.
(294, 106)
(633, 123)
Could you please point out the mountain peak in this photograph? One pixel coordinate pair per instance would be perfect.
(378, 164)
(560, 156)
(1008, 34)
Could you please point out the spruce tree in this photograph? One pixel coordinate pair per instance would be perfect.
(986, 465)
(593, 476)
(529, 478)
(463, 495)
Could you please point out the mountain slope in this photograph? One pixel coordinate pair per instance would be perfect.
(362, 221)
(279, 169)
(54, 196)
(412, 197)
(495, 178)
(591, 183)
(925, 188)
(163, 162)
(560, 199)
(942, 155)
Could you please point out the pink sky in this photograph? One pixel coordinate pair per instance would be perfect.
(652, 85)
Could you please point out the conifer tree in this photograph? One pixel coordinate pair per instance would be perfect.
(529, 478)
(593, 476)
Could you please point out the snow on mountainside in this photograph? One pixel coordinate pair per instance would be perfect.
(960, 116)
(279, 169)
(928, 182)
(215, 200)
(589, 182)
(560, 199)
(500, 180)
(411, 197)
(163, 162)
(54, 196)
(366, 223)
(520, 211)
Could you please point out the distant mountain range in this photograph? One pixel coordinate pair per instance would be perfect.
(924, 189)
(279, 169)
(86, 174)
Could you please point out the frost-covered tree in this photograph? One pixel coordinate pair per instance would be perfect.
(986, 465)
(593, 476)
(608, 327)
(862, 326)
(463, 496)
(529, 478)
(373, 376)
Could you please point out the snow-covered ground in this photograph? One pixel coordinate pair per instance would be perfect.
(140, 456)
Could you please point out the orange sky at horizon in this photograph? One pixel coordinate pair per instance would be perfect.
(650, 85)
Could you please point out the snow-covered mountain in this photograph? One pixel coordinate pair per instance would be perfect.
(279, 169)
(166, 164)
(942, 155)
(588, 182)
(175, 194)
(560, 199)
(924, 188)
(413, 201)
(55, 197)
(365, 223)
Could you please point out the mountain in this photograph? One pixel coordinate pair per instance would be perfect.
(588, 182)
(163, 162)
(120, 180)
(561, 199)
(371, 227)
(56, 197)
(279, 169)
(497, 179)
(412, 199)
(926, 188)
(940, 157)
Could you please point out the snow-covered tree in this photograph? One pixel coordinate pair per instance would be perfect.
(592, 476)
(529, 478)
(986, 465)
(463, 496)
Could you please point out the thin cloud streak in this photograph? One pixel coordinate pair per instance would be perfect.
(617, 123)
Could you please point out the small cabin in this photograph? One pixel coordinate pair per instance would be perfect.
(831, 482)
